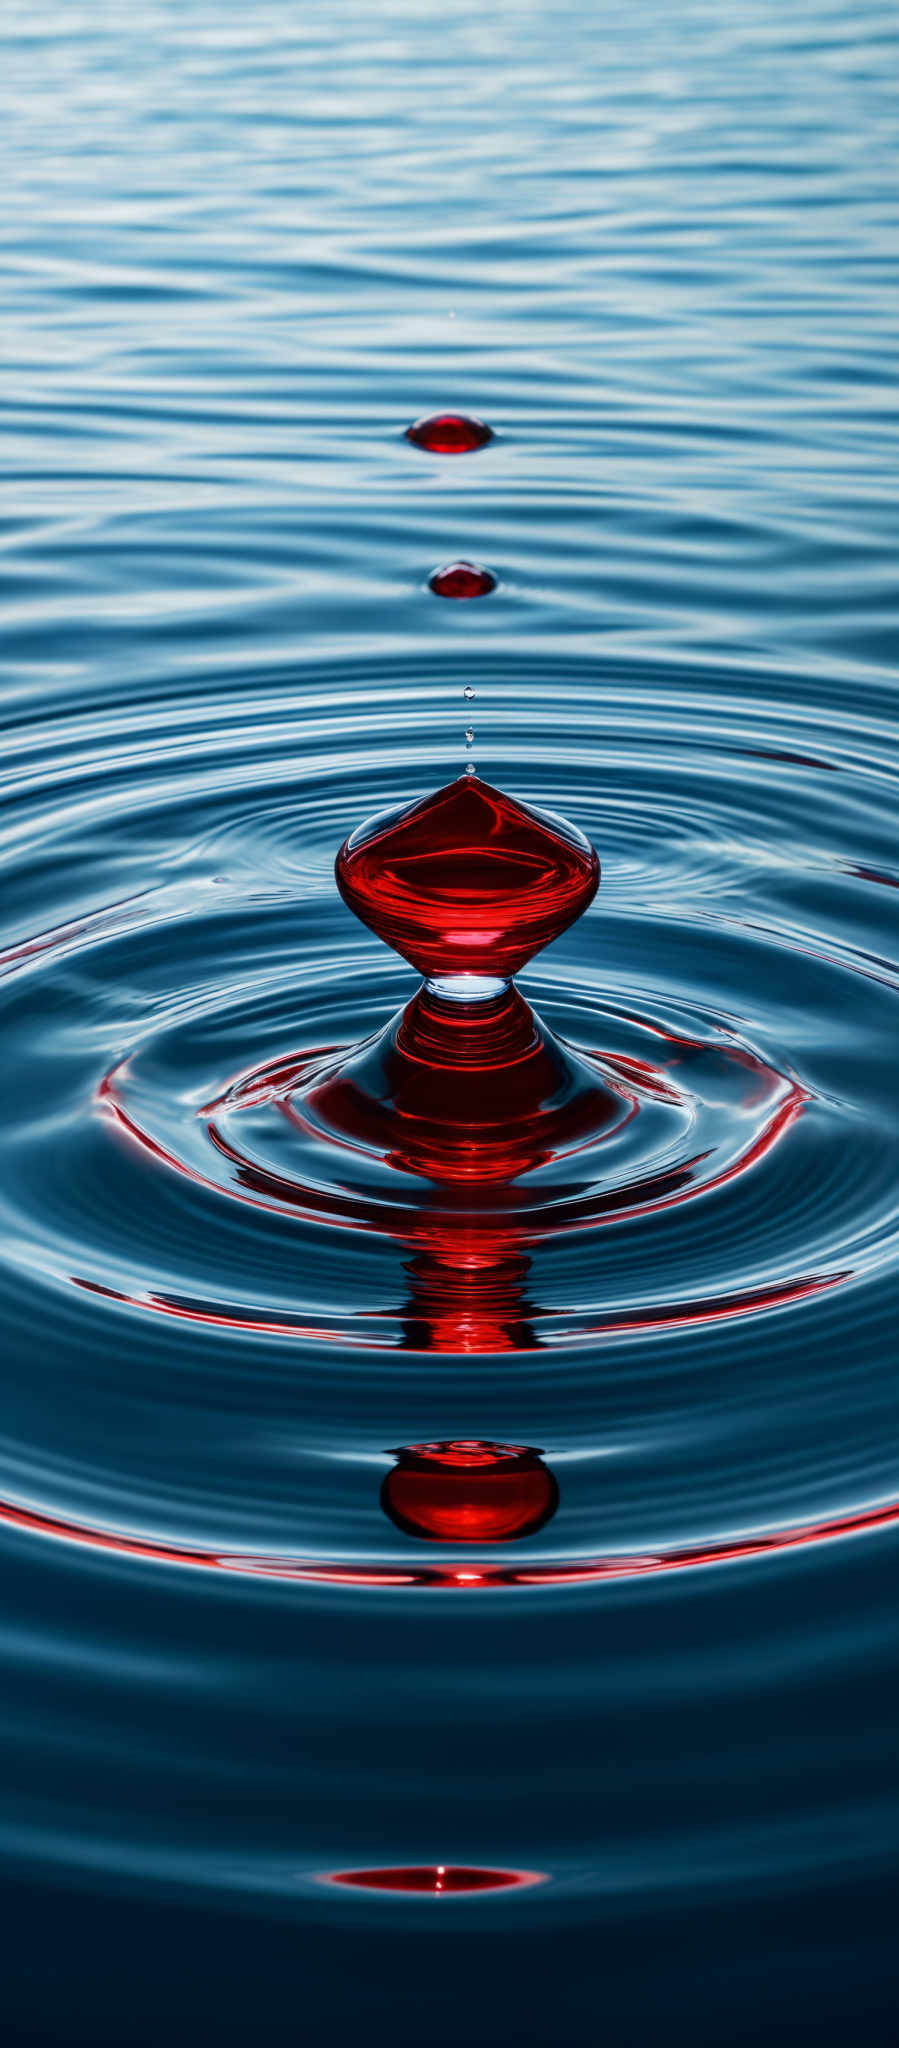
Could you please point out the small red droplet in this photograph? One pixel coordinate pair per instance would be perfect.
(462, 579)
(469, 1492)
(449, 433)
(435, 1878)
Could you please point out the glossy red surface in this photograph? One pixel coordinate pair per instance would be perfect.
(435, 1878)
(462, 579)
(467, 881)
(475, 1492)
(469, 1095)
(449, 433)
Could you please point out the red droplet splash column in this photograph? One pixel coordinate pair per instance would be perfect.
(467, 882)
(466, 1086)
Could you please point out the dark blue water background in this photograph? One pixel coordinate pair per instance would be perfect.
(658, 249)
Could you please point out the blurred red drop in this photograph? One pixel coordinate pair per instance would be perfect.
(449, 433)
(462, 579)
(469, 1492)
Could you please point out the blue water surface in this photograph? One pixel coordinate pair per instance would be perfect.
(657, 249)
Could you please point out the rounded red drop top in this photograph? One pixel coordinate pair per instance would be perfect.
(462, 579)
(467, 881)
(469, 1492)
(449, 433)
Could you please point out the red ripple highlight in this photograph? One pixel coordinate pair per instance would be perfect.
(665, 1316)
(576, 1571)
(435, 1879)
(877, 875)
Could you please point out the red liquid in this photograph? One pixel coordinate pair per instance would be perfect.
(467, 1295)
(435, 1877)
(449, 433)
(467, 881)
(462, 579)
(469, 1492)
(467, 1095)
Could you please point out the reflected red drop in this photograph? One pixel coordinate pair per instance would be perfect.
(469, 1492)
(467, 881)
(436, 1878)
(449, 433)
(462, 579)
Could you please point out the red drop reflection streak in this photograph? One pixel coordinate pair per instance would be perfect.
(434, 1878)
(449, 433)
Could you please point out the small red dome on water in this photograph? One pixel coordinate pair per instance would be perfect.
(467, 881)
(462, 579)
(449, 433)
(469, 1492)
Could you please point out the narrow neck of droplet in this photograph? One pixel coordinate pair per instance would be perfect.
(467, 988)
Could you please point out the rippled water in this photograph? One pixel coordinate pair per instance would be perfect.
(657, 250)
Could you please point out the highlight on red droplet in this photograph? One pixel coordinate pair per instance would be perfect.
(467, 881)
(449, 433)
(462, 580)
(469, 1492)
(435, 1878)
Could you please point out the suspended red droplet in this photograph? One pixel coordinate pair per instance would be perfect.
(469, 1492)
(467, 881)
(449, 433)
(462, 579)
(436, 1877)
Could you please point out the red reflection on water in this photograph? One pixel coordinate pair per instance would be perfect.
(435, 1878)
(573, 1571)
(449, 433)
(462, 579)
(469, 1492)
(467, 881)
(863, 874)
(430, 1322)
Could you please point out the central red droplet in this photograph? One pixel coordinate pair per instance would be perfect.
(435, 1877)
(467, 881)
(469, 1492)
(462, 579)
(449, 433)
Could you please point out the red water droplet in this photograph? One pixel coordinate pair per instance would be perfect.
(437, 1878)
(449, 433)
(467, 881)
(469, 1492)
(462, 579)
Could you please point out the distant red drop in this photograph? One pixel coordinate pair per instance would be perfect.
(449, 433)
(437, 1877)
(462, 579)
(469, 1492)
